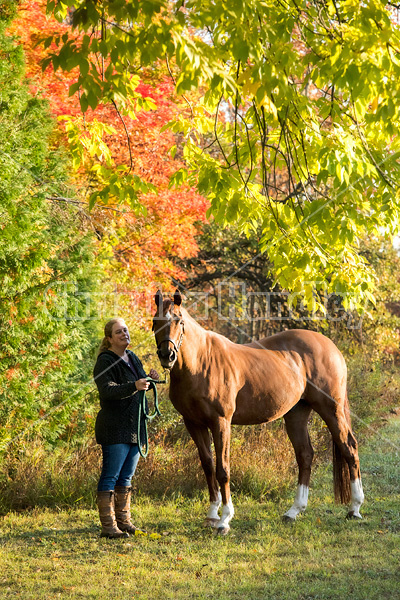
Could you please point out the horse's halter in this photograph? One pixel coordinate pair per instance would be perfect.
(171, 357)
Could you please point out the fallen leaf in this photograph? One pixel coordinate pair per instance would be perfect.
(138, 533)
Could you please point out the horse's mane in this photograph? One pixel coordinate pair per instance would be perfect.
(167, 303)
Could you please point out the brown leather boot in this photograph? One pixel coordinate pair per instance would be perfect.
(123, 510)
(109, 529)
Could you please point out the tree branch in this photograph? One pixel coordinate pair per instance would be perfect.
(127, 135)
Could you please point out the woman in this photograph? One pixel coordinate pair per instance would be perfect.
(119, 375)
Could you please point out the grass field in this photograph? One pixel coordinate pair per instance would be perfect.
(58, 554)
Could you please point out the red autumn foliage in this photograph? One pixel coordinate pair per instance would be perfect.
(146, 246)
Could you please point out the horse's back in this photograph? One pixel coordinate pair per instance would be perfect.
(324, 364)
(304, 342)
(301, 339)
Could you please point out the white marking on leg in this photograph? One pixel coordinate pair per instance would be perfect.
(213, 510)
(357, 497)
(300, 502)
(227, 513)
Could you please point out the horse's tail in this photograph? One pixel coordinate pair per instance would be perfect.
(341, 473)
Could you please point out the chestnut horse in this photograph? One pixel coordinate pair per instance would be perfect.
(215, 382)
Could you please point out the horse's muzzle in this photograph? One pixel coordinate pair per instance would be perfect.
(167, 357)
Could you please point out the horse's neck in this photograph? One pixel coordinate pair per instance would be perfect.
(194, 343)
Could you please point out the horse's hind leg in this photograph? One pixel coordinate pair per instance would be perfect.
(202, 439)
(346, 463)
(296, 426)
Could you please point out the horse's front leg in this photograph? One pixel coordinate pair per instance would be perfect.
(221, 430)
(202, 439)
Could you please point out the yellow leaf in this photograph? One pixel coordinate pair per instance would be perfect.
(267, 103)
(250, 88)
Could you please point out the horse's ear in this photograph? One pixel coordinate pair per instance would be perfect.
(158, 299)
(177, 298)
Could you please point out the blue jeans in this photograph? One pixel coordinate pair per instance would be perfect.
(119, 465)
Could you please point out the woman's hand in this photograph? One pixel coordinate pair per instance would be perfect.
(142, 384)
(153, 374)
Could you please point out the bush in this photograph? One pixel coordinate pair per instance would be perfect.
(46, 256)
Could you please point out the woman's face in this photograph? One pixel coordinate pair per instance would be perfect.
(120, 338)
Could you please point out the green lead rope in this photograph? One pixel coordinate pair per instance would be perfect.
(146, 416)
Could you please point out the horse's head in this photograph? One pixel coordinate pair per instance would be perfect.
(168, 327)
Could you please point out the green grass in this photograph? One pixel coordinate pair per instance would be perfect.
(58, 554)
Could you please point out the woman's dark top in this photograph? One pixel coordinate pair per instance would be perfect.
(117, 421)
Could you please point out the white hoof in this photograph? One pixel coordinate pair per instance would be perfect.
(353, 515)
(226, 516)
(211, 523)
(212, 517)
(222, 530)
(299, 505)
(357, 498)
(287, 519)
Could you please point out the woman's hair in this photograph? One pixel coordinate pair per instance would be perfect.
(108, 327)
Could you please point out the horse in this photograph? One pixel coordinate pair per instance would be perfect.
(215, 383)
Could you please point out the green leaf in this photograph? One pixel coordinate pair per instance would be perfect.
(281, 95)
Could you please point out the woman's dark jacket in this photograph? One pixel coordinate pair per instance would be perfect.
(117, 421)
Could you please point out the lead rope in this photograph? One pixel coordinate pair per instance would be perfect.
(146, 415)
